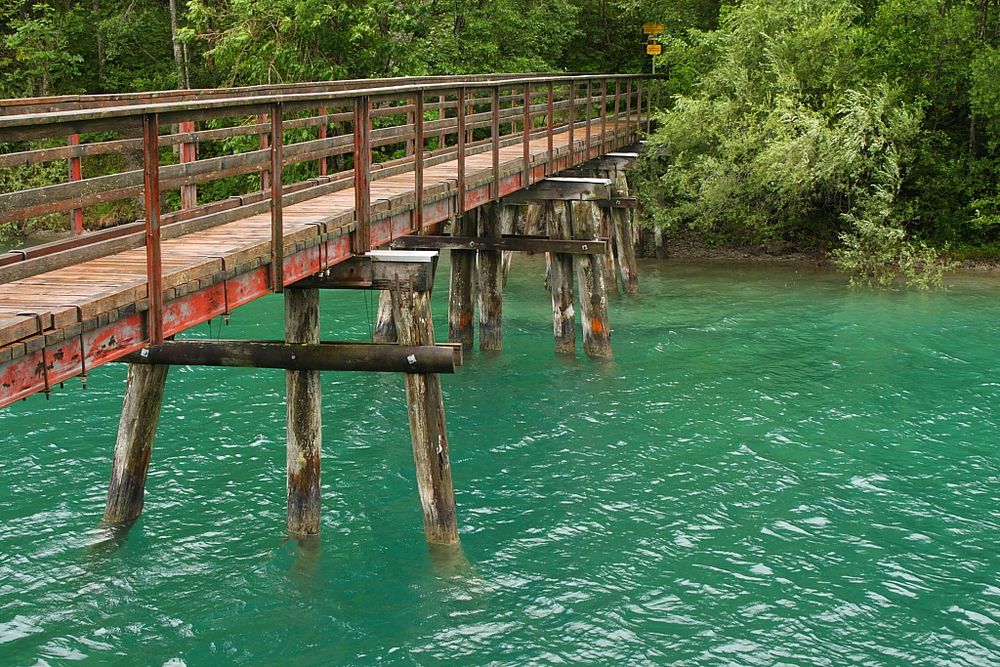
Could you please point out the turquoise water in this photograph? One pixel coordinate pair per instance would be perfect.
(774, 470)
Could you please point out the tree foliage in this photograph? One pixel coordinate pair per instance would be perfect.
(832, 123)
(872, 126)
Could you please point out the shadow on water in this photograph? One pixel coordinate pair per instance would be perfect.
(305, 569)
(104, 540)
(449, 560)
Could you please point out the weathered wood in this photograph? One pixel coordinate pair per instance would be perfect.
(490, 287)
(562, 189)
(364, 273)
(508, 227)
(321, 356)
(606, 220)
(385, 324)
(590, 282)
(625, 240)
(412, 312)
(561, 280)
(504, 243)
(460, 307)
(304, 416)
(134, 445)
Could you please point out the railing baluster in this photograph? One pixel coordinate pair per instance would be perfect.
(550, 126)
(460, 105)
(75, 174)
(154, 258)
(441, 116)
(628, 110)
(362, 174)
(265, 174)
(495, 129)
(618, 94)
(526, 138)
(590, 110)
(638, 106)
(604, 116)
(277, 221)
(188, 153)
(418, 164)
(572, 120)
(649, 106)
(323, 133)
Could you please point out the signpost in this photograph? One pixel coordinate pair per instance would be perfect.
(653, 47)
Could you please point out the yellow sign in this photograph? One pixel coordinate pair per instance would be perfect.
(652, 28)
(654, 49)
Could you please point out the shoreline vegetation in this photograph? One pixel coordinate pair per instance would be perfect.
(690, 246)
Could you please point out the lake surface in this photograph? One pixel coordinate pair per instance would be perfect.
(774, 470)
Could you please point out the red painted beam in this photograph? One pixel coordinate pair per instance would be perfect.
(62, 361)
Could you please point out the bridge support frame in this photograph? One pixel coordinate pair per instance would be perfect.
(407, 278)
(558, 225)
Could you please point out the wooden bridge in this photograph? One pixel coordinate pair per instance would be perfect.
(314, 205)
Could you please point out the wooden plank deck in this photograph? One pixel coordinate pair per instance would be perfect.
(59, 324)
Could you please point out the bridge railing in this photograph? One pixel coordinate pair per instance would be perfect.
(265, 149)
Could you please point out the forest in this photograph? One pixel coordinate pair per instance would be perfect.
(868, 129)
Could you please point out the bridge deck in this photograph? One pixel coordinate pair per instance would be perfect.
(61, 323)
(70, 306)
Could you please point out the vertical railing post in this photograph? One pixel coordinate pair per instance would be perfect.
(590, 110)
(526, 139)
(411, 120)
(441, 116)
(277, 220)
(75, 174)
(649, 107)
(628, 110)
(323, 133)
(604, 116)
(460, 106)
(188, 154)
(550, 126)
(495, 135)
(418, 163)
(572, 120)
(638, 106)
(154, 258)
(618, 94)
(362, 174)
(265, 174)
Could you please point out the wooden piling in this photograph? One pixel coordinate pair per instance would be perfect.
(385, 325)
(625, 240)
(492, 219)
(412, 311)
(304, 412)
(607, 221)
(134, 445)
(461, 327)
(586, 217)
(557, 225)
